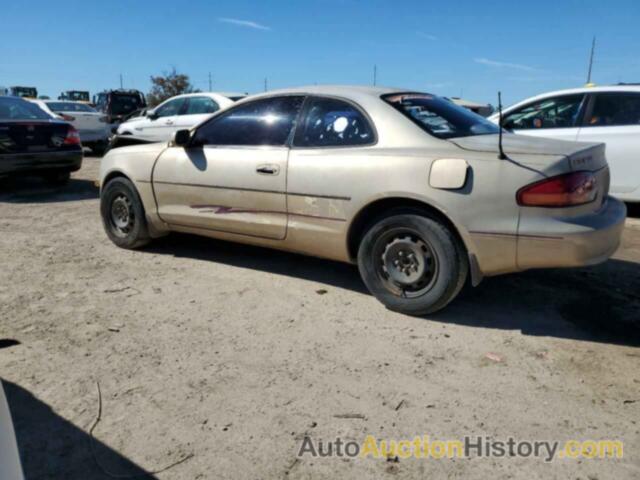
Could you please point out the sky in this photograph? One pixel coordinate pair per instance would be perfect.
(466, 48)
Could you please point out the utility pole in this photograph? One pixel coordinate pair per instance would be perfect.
(593, 49)
(121, 81)
(375, 75)
(210, 82)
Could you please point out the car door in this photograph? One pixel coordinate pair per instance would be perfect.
(233, 175)
(333, 141)
(554, 117)
(614, 118)
(196, 110)
(160, 125)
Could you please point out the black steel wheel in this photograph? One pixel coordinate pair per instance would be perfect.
(123, 214)
(412, 263)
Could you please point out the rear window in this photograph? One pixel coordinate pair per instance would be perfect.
(124, 104)
(17, 109)
(440, 117)
(69, 107)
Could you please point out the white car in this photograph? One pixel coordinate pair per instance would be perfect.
(177, 113)
(608, 114)
(91, 124)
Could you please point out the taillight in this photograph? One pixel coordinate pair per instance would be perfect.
(103, 119)
(67, 118)
(73, 137)
(566, 190)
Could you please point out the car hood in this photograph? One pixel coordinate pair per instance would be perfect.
(537, 150)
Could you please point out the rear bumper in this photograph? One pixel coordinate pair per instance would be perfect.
(571, 242)
(94, 136)
(40, 162)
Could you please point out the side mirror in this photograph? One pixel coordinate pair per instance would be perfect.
(152, 115)
(182, 138)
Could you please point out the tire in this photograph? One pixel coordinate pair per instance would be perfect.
(123, 214)
(412, 263)
(58, 178)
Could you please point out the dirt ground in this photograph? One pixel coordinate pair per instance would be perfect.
(228, 356)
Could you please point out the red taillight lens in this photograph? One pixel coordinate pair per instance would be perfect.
(73, 137)
(562, 191)
(67, 118)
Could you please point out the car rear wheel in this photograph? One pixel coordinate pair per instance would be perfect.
(123, 214)
(412, 263)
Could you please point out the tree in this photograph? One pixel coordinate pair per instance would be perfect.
(168, 85)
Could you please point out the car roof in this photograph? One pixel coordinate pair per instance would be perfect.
(593, 89)
(334, 90)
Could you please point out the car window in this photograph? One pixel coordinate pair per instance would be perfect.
(69, 107)
(123, 104)
(261, 122)
(330, 122)
(172, 107)
(556, 112)
(439, 116)
(101, 101)
(200, 105)
(615, 109)
(13, 108)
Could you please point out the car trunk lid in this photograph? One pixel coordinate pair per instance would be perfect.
(31, 136)
(539, 152)
(549, 158)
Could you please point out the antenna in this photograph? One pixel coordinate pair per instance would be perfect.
(375, 75)
(265, 84)
(120, 81)
(593, 49)
(501, 154)
(210, 82)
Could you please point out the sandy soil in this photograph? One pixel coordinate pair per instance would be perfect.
(233, 354)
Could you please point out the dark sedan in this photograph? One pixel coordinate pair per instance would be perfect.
(34, 143)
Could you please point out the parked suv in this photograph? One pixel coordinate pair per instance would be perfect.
(117, 104)
(609, 114)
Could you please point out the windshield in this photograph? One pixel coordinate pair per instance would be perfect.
(124, 104)
(69, 107)
(79, 96)
(440, 117)
(18, 109)
(25, 92)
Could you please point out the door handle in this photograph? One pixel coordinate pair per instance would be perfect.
(168, 122)
(268, 169)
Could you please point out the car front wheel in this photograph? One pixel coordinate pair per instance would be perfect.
(412, 263)
(123, 214)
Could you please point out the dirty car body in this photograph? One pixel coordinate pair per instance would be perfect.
(405, 184)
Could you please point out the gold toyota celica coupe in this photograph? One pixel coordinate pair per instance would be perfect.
(417, 191)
